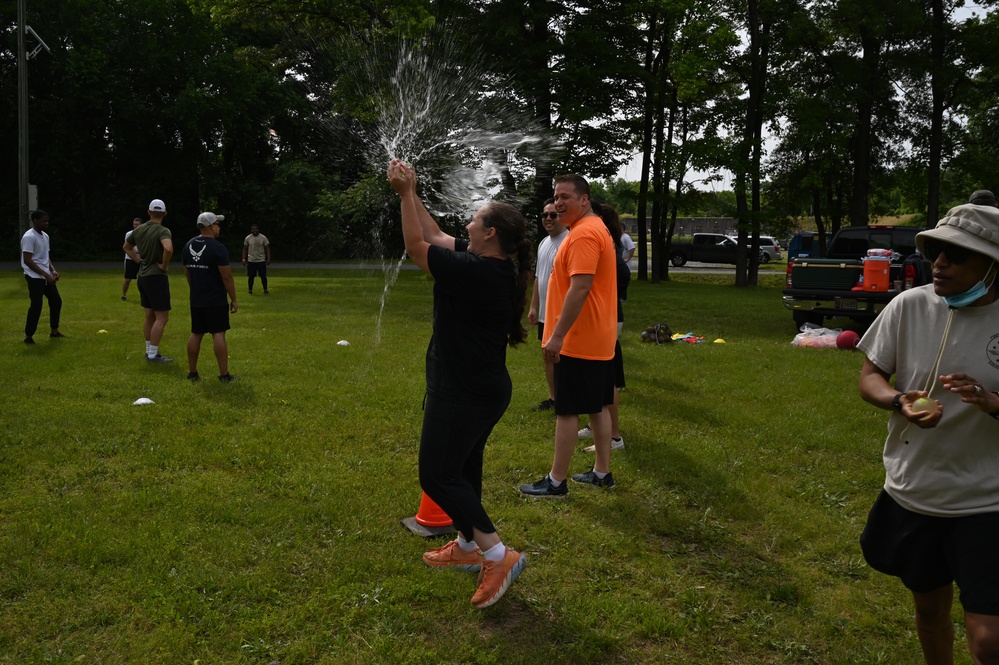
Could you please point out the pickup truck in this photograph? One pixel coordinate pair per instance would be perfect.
(833, 286)
(706, 248)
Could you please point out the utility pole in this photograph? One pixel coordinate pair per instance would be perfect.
(22, 111)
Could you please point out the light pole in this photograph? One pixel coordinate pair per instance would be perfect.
(22, 111)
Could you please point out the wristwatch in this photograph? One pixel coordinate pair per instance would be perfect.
(995, 414)
(895, 403)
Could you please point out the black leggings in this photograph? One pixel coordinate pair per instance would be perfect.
(451, 446)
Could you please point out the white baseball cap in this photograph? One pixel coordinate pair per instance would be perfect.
(209, 218)
(157, 205)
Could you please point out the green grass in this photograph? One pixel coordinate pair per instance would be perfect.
(259, 522)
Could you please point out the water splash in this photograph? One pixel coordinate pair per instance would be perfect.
(430, 101)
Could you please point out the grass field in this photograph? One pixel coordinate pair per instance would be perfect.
(259, 522)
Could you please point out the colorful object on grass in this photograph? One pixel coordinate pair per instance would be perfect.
(689, 338)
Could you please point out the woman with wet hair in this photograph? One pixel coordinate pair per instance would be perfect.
(480, 291)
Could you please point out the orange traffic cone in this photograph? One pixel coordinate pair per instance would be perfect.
(430, 514)
(430, 521)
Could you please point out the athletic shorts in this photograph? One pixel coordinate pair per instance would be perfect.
(618, 366)
(541, 330)
(212, 320)
(928, 552)
(131, 269)
(583, 386)
(254, 268)
(154, 291)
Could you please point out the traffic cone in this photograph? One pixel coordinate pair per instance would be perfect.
(430, 520)
(430, 514)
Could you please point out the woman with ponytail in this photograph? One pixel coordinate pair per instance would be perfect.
(480, 290)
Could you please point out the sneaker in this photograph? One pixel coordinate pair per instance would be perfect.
(250, 292)
(452, 556)
(124, 299)
(266, 292)
(56, 335)
(193, 376)
(616, 444)
(544, 405)
(159, 358)
(496, 576)
(544, 488)
(585, 433)
(29, 340)
(228, 378)
(590, 478)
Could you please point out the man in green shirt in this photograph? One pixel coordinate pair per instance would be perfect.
(155, 247)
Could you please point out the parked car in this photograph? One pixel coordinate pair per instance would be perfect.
(769, 249)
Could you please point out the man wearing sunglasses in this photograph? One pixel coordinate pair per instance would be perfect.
(536, 315)
(936, 522)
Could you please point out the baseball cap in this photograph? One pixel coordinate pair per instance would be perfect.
(209, 218)
(157, 205)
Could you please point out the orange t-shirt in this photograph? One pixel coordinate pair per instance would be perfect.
(587, 250)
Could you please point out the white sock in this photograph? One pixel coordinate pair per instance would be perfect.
(152, 351)
(147, 347)
(466, 545)
(496, 552)
(555, 483)
(600, 476)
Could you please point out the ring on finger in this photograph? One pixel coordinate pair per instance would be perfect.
(978, 390)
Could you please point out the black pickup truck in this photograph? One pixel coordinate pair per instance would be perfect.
(832, 286)
(706, 248)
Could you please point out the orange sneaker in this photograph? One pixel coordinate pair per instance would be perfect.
(452, 556)
(496, 576)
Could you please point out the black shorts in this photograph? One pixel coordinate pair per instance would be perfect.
(212, 320)
(254, 268)
(131, 269)
(154, 292)
(583, 386)
(618, 366)
(928, 552)
(541, 330)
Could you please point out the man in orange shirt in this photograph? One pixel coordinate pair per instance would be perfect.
(580, 331)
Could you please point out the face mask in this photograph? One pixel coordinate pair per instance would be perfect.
(972, 294)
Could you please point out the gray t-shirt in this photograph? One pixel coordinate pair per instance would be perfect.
(953, 468)
(546, 259)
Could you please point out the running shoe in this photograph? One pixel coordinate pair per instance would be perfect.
(616, 444)
(544, 488)
(590, 478)
(452, 556)
(496, 576)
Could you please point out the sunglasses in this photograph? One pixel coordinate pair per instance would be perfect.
(549, 215)
(956, 255)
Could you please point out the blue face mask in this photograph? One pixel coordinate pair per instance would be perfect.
(971, 295)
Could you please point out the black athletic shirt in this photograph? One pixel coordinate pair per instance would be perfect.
(473, 309)
(202, 256)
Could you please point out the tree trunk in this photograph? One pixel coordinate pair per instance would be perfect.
(862, 137)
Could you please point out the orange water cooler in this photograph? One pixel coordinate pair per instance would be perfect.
(877, 273)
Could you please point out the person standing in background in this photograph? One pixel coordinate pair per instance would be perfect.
(256, 257)
(209, 276)
(153, 242)
(131, 267)
(536, 315)
(41, 276)
(580, 331)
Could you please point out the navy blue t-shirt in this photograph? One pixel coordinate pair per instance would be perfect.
(202, 257)
(473, 310)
